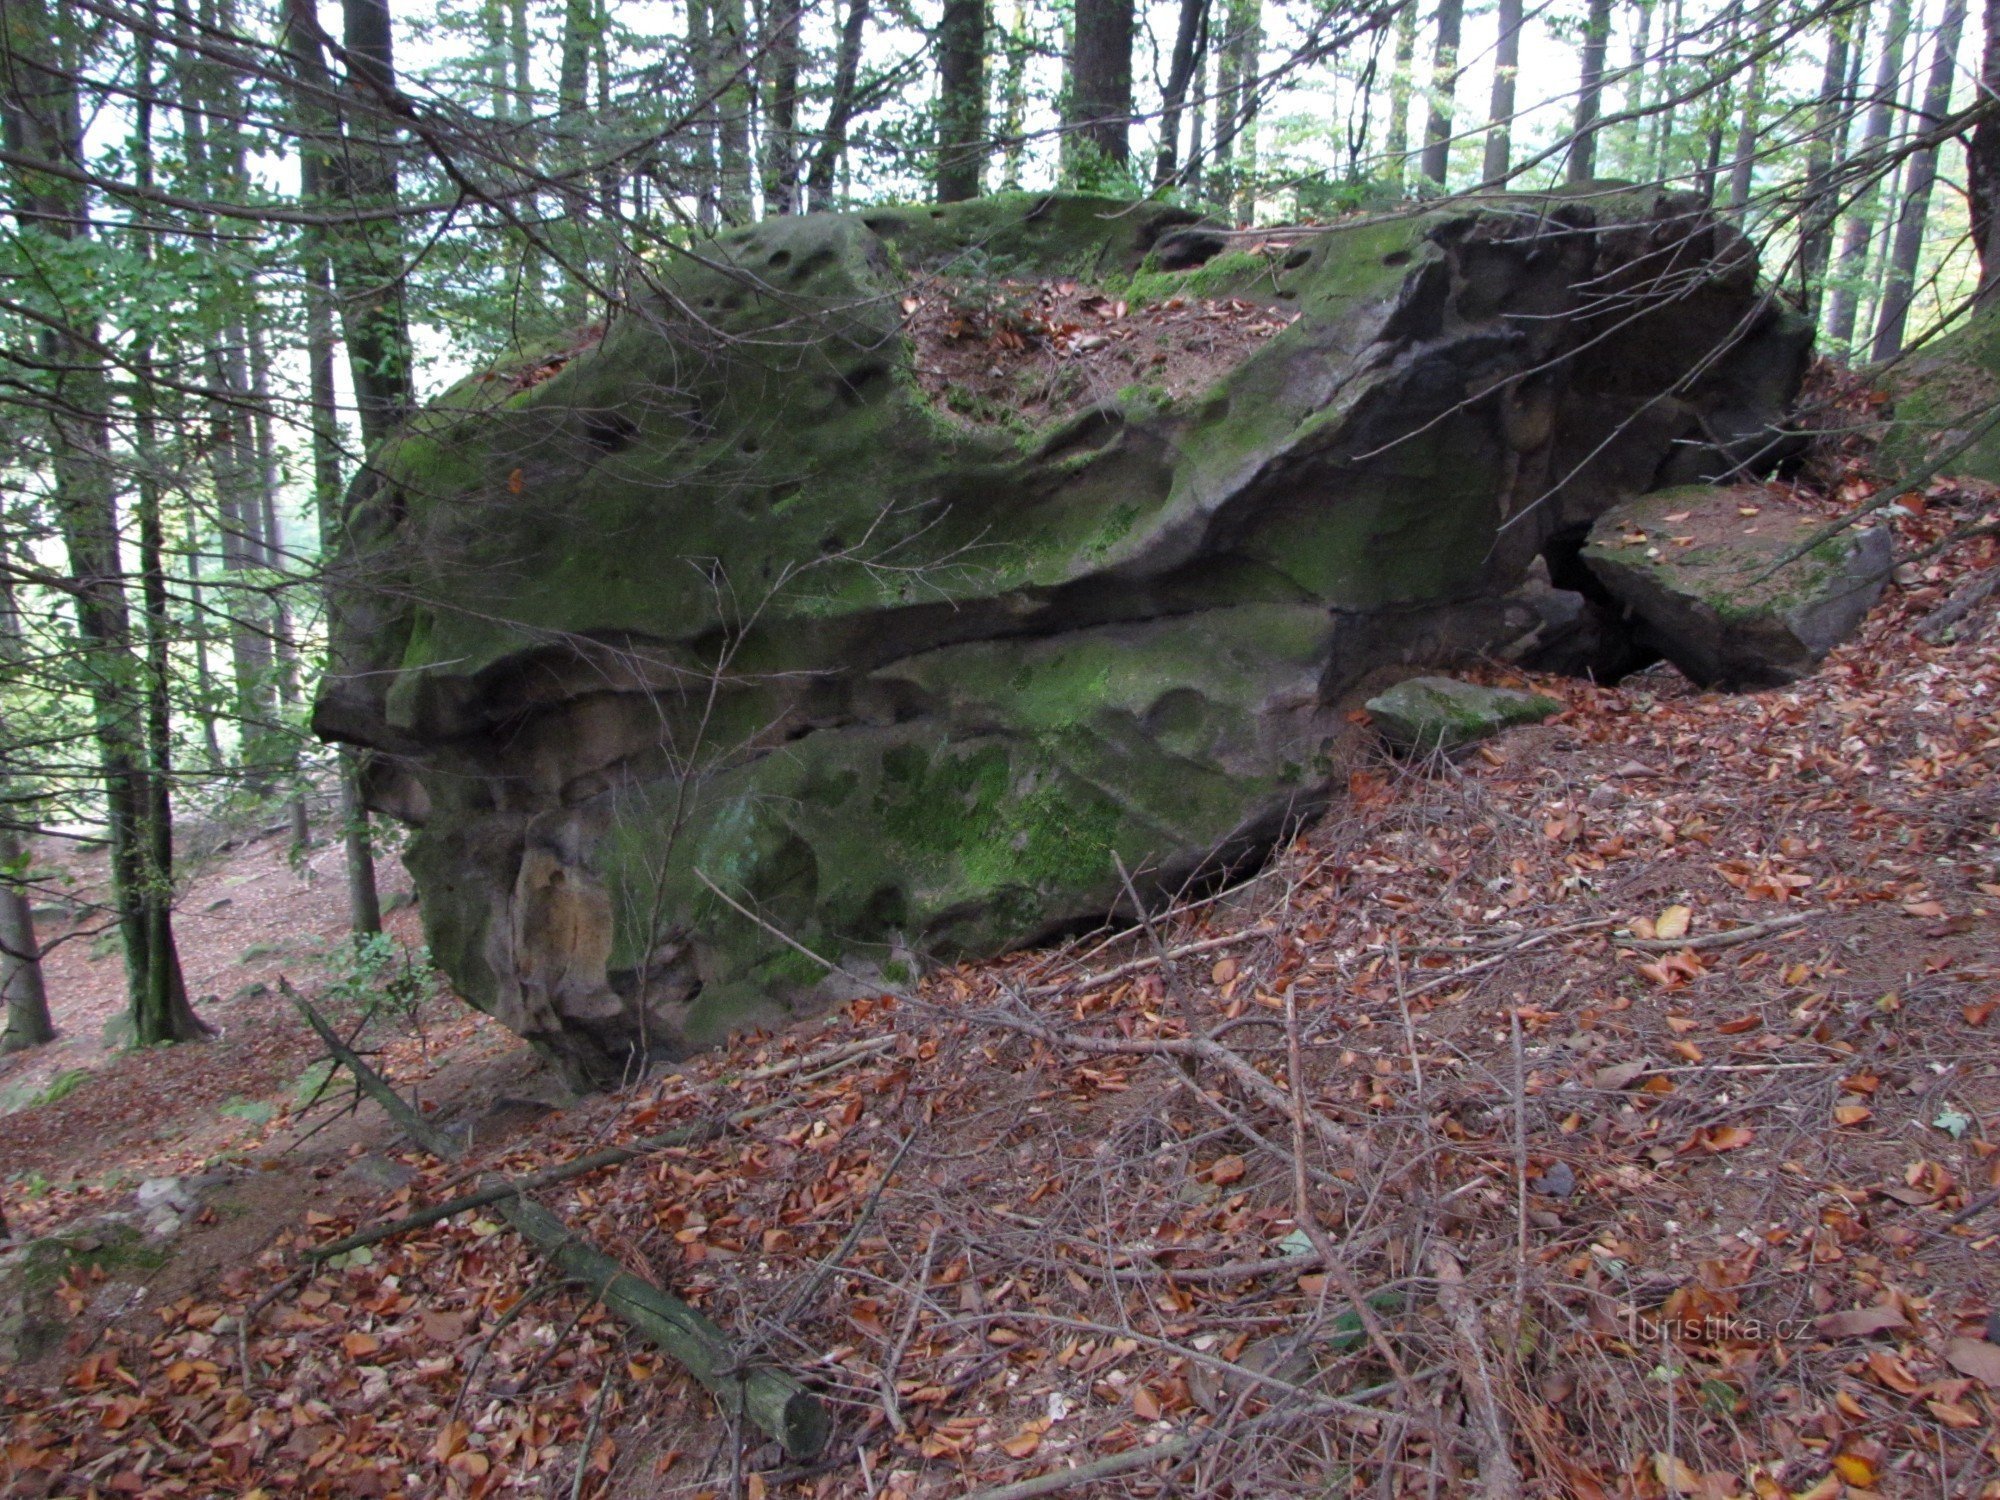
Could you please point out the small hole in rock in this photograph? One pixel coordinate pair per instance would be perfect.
(779, 259)
(1297, 258)
(1396, 258)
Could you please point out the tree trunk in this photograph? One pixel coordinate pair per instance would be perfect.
(1444, 89)
(730, 87)
(1660, 139)
(1816, 213)
(348, 143)
(1982, 161)
(1014, 99)
(961, 113)
(44, 124)
(1500, 114)
(840, 105)
(782, 57)
(1857, 234)
(1749, 123)
(1188, 37)
(1246, 36)
(21, 988)
(1401, 76)
(1636, 70)
(1099, 116)
(27, 1002)
(1590, 93)
(1892, 320)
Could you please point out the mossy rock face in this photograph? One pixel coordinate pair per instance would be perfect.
(721, 628)
(1944, 416)
(1425, 714)
(1710, 576)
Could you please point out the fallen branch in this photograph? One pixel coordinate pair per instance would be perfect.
(1083, 983)
(1203, 1048)
(771, 1399)
(1499, 1479)
(1962, 603)
(1729, 939)
(698, 1133)
(1057, 1480)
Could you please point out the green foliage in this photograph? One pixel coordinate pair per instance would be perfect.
(374, 977)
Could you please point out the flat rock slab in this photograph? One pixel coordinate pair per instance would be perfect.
(1709, 576)
(1442, 713)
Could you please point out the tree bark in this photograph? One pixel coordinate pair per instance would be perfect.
(1444, 89)
(840, 105)
(1816, 213)
(730, 87)
(1590, 93)
(1099, 116)
(21, 986)
(961, 112)
(1236, 112)
(1188, 38)
(1982, 161)
(1858, 233)
(1401, 78)
(783, 55)
(43, 121)
(1014, 99)
(1892, 319)
(348, 143)
(1500, 113)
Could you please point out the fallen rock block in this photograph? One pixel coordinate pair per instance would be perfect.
(1704, 573)
(1442, 713)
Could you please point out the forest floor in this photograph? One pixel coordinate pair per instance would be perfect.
(1647, 1144)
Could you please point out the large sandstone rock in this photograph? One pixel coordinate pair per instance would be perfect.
(1731, 586)
(735, 624)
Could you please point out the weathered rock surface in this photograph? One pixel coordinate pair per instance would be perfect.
(1704, 573)
(1425, 714)
(1944, 416)
(723, 627)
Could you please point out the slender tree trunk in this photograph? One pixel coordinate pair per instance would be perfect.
(730, 78)
(840, 104)
(27, 1002)
(356, 167)
(782, 57)
(1816, 213)
(1173, 100)
(1637, 69)
(44, 124)
(21, 988)
(1660, 139)
(572, 148)
(1099, 116)
(1982, 161)
(1858, 234)
(1921, 173)
(1749, 122)
(1401, 87)
(1444, 89)
(198, 632)
(1196, 173)
(1500, 113)
(364, 907)
(961, 113)
(1014, 99)
(1590, 93)
(1246, 37)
